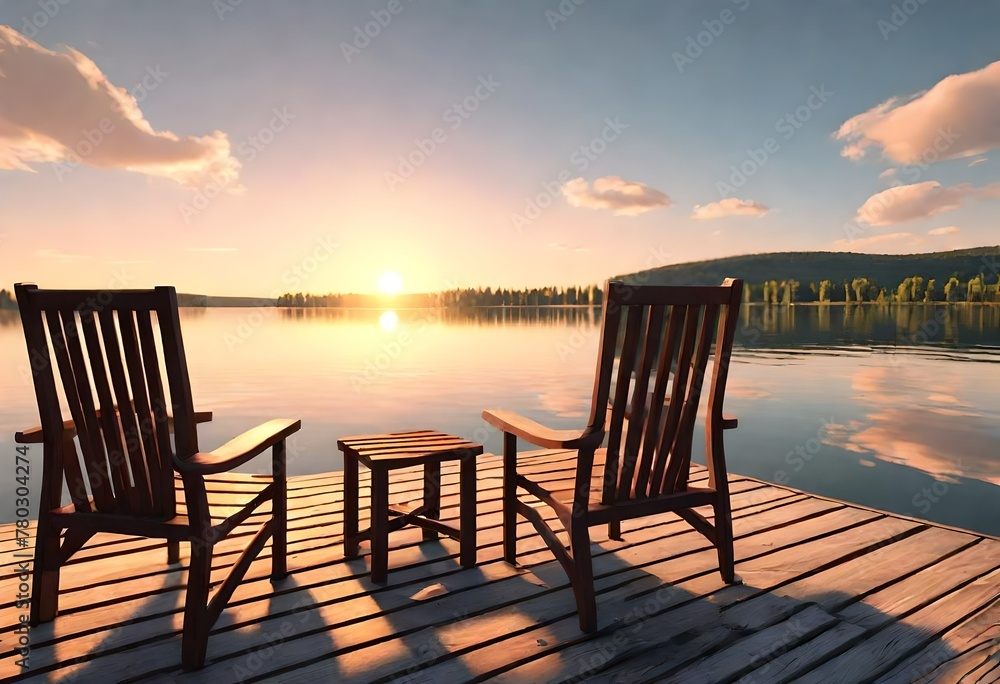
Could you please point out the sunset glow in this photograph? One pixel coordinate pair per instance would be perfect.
(500, 144)
(390, 283)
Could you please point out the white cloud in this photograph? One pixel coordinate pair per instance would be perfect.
(888, 173)
(60, 255)
(944, 230)
(860, 243)
(624, 198)
(955, 118)
(919, 200)
(730, 206)
(977, 161)
(60, 107)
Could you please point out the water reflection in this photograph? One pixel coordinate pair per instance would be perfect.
(388, 321)
(921, 423)
(553, 316)
(825, 325)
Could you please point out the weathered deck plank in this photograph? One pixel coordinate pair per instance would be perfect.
(830, 592)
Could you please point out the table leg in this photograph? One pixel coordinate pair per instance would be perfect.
(467, 504)
(380, 525)
(350, 505)
(432, 495)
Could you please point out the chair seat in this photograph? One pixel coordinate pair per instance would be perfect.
(560, 488)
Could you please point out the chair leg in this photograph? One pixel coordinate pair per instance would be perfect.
(432, 496)
(724, 541)
(196, 628)
(279, 514)
(582, 577)
(380, 525)
(615, 530)
(510, 498)
(350, 505)
(173, 552)
(45, 577)
(467, 516)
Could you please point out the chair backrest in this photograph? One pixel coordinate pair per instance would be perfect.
(96, 358)
(656, 345)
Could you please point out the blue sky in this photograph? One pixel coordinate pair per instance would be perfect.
(299, 127)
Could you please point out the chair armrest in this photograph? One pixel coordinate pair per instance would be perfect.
(34, 435)
(538, 434)
(729, 421)
(238, 451)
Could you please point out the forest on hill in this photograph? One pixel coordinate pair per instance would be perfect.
(785, 277)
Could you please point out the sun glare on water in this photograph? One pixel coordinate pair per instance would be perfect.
(388, 321)
(390, 283)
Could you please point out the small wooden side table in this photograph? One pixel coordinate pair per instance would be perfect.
(384, 453)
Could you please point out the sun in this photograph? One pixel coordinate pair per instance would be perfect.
(390, 283)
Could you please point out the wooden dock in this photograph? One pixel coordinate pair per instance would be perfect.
(830, 592)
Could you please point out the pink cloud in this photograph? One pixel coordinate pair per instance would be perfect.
(860, 243)
(60, 108)
(919, 200)
(729, 207)
(944, 230)
(953, 119)
(624, 198)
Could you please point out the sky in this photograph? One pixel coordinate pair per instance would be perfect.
(254, 148)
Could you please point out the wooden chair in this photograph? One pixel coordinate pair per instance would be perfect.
(648, 390)
(99, 355)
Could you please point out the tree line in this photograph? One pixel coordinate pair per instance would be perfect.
(911, 289)
(7, 300)
(589, 295)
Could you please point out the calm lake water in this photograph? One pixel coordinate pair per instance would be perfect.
(895, 408)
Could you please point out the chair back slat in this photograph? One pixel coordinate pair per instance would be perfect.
(633, 438)
(103, 347)
(666, 465)
(161, 468)
(671, 334)
(181, 403)
(681, 454)
(110, 430)
(138, 423)
(122, 460)
(80, 403)
(651, 435)
(626, 361)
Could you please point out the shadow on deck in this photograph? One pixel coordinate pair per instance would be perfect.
(830, 592)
